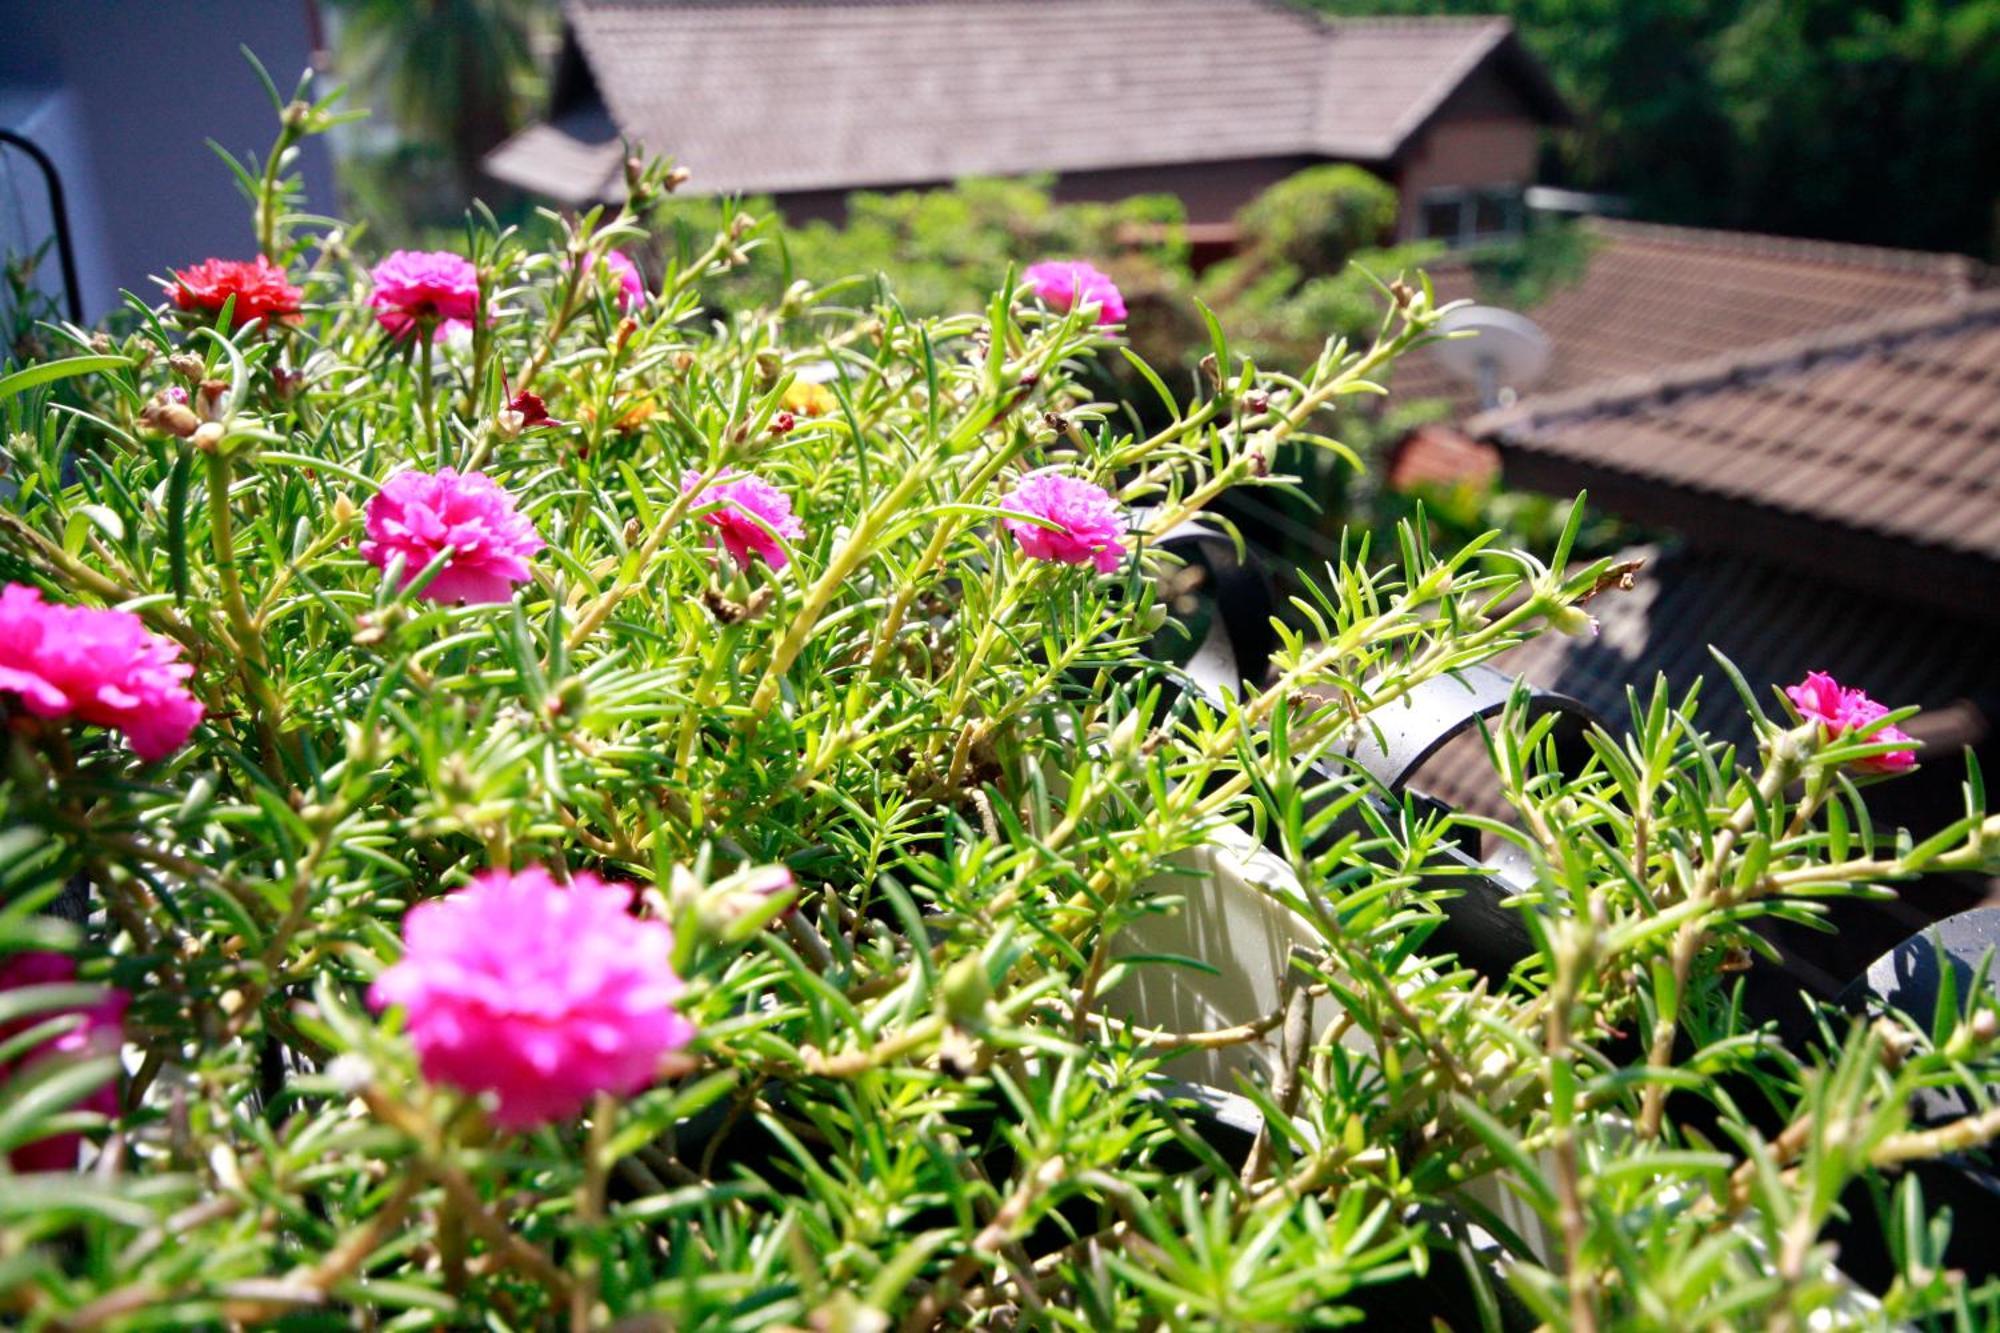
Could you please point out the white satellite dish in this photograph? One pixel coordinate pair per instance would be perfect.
(1499, 351)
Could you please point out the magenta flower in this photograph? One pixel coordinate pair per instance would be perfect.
(419, 288)
(631, 285)
(417, 515)
(1088, 527)
(1822, 699)
(751, 516)
(101, 1032)
(1062, 283)
(102, 666)
(539, 994)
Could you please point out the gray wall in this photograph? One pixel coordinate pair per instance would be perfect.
(125, 94)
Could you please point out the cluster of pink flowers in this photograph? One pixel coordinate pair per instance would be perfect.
(100, 1030)
(417, 289)
(259, 286)
(1822, 699)
(540, 994)
(1087, 526)
(1064, 284)
(750, 516)
(420, 515)
(104, 667)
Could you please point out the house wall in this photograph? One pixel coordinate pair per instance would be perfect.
(141, 86)
(1211, 191)
(1484, 135)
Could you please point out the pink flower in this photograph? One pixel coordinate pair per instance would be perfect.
(101, 1032)
(542, 995)
(1821, 698)
(102, 666)
(631, 286)
(751, 515)
(417, 515)
(1063, 283)
(1088, 527)
(418, 287)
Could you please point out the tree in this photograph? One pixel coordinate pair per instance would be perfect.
(450, 71)
(1859, 120)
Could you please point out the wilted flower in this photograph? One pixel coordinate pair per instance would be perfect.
(425, 288)
(1821, 698)
(101, 1032)
(104, 667)
(1088, 527)
(258, 285)
(418, 515)
(751, 515)
(1064, 283)
(539, 994)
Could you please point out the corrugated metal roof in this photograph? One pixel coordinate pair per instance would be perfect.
(1650, 297)
(1890, 425)
(757, 96)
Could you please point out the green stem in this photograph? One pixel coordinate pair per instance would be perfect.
(249, 644)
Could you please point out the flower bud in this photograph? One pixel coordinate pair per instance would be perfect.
(208, 399)
(967, 990)
(569, 698)
(1573, 621)
(676, 178)
(208, 437)
(188, 366)
(343, 509)
(784, 423)
(167, 412)
(1257, 402)
(737, 907)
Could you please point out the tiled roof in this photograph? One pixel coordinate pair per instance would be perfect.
(757, 95)
(1889, 426)
(1775, 625)
(1650, 297)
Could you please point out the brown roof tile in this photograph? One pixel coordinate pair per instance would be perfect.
(1774, 625)
(1652, 297)
(1890, 425)
(760, 95)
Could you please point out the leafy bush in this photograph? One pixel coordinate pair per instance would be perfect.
(1316, 219)
(900, 782)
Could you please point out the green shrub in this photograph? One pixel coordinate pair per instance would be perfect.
(1318, 218)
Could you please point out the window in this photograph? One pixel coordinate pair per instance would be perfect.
(1439, 218)
(1496, 213)
(1462, 217)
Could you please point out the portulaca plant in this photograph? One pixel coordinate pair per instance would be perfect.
(533, 803)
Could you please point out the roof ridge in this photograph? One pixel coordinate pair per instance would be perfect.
(1417, 20)
(1726, 369)
(1804, 248)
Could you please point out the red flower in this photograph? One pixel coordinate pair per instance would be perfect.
(258, 285)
